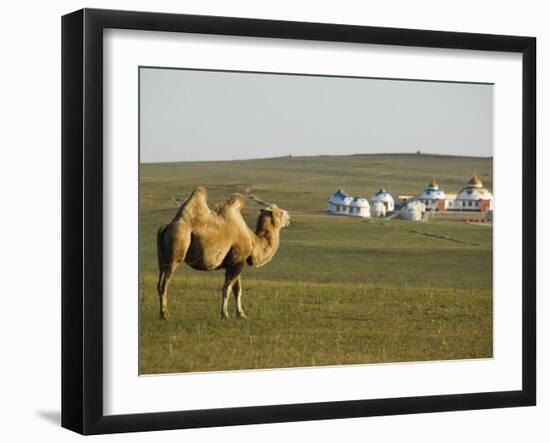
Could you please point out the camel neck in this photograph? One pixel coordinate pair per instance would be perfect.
(265, 246)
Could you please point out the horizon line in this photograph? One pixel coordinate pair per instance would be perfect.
(319, 155)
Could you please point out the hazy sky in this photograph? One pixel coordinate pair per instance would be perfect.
(201, 115)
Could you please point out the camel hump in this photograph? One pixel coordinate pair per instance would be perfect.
(234, 203)
(199, 193)
(196, 205)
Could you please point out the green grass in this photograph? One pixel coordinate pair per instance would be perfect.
(340, 290)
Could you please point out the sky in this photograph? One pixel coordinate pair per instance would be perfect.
(188, 115)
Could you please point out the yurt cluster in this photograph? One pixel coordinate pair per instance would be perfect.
(473, 197)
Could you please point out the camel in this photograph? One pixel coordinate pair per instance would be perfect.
(208, 240)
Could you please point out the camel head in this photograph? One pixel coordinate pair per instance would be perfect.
(277, 217)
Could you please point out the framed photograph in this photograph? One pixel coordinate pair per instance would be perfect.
(268, 221)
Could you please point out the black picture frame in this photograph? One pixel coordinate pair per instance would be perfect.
(82, 218)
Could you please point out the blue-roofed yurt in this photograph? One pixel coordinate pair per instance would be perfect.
(433, 197)
(338, 202)
(385, 198)
(473, 197)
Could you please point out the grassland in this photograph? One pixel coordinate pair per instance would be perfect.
(340, 290)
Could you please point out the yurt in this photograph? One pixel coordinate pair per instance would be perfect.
(385, 198)
(473, 197)
(413, 210)
(378, 209)
(338, 202)
(433, 197)
(359, 207)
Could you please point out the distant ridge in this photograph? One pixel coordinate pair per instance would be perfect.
(300, 157)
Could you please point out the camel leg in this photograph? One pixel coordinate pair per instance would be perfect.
(165, 275)
(172, 245)
(231, 276)
(161, 285)
(237, 292)
(225, 298)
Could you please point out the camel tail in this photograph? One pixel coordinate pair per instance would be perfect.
(162, 258)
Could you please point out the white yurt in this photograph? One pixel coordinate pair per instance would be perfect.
(385, 198)
(413, 210)
(432, 195)
(378, 209)
(359, 207)
(473, 197)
